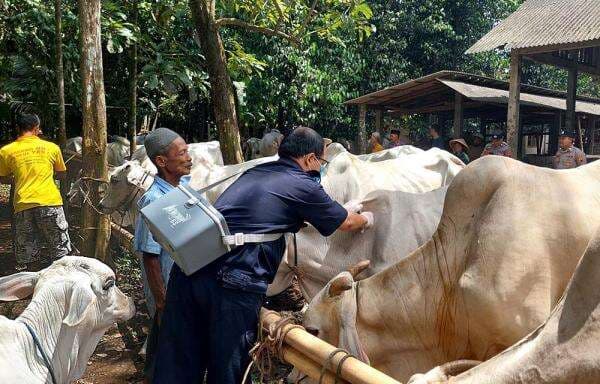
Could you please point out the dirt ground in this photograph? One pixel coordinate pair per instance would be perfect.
(116, 359)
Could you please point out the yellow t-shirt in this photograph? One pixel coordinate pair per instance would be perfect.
(32, 162)
(377, 148)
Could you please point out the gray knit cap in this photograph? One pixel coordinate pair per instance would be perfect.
(157, 140)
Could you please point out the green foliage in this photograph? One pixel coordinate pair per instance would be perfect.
(343, 49)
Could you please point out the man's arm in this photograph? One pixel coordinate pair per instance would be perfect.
(155, 280)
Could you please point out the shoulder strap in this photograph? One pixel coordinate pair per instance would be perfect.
(216, 183)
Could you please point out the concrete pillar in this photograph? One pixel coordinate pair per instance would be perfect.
(513, 129)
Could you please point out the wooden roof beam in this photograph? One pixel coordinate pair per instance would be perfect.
(547, 58)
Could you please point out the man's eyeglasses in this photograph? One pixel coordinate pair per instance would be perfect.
(323, 161)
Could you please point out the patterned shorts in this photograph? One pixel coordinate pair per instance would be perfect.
(38, 228)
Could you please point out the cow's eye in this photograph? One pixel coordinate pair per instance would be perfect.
(313, 331)
(109, 284)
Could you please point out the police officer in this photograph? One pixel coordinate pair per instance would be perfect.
(210, 319)
(497, 147)
(568, 156)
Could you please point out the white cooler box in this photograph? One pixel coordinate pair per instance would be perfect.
(187, 226)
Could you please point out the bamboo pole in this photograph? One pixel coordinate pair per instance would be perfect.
(308, 367)
(353, 370)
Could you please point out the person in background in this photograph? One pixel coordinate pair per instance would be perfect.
(33, 164)
(568, 156)
(169, 153)
(497, 147)
(459, 149)
(437, 141)
(375, 142)
(476, 147)
(395, 139)
(211, 316)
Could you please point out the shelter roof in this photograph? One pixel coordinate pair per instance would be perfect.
(440, 87)
(554, 24)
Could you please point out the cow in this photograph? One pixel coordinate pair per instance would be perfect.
(75, 300)
(564, 349)
(252, 149)
(117, 151)
(406, 193)
(508, 242)
(269, 144)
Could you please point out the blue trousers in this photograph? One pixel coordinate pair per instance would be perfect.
(206, 329)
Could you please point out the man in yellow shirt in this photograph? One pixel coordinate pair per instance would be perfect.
(40, 221)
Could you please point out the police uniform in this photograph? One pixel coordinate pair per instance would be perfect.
(569, 158)
(210, 320)
(500, 150)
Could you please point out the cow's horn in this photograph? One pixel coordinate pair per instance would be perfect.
(341, 283)
(357, 268)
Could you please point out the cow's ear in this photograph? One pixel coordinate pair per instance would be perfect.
(339, 284)
(81, 300)
(18, 286)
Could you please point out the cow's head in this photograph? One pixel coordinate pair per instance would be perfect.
(82, 289)
(331, 315)
(124, 182)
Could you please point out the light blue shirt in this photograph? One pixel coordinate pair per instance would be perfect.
(143, 240)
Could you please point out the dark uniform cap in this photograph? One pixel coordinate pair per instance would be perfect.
(159, 139)
(496, 136)
(565, 132)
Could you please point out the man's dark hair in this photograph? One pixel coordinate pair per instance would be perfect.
(27, 122)
(300, 142)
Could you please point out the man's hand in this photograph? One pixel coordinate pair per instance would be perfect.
(357, 222)
(155, 280)
(353, 206)
(370, 220)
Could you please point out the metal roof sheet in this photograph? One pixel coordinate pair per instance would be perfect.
(539, 23)
(493, 95)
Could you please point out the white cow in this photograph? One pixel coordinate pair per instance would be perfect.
(116, 152)
(508, 242)
(406, 193)
(74, 302)
(564, 349)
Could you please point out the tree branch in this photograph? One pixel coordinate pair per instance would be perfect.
(255, 28)
(309, 17)
(280, 12)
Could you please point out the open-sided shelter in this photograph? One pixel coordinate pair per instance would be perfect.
(561, 33)
(454, 98)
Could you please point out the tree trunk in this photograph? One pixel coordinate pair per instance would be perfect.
(221, 89)
(96, 228)
(133, 74)
(60, 76)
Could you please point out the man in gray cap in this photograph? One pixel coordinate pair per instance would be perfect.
(169, 153)
(568, 156)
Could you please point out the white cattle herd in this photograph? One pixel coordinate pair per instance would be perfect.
(463, 265)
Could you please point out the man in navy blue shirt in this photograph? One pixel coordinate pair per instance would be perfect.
(211, 317)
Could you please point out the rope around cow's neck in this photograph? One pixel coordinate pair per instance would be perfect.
(38, 346)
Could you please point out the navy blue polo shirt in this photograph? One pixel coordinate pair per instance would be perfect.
(274, 197)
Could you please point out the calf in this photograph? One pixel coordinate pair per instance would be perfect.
(74, 302)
